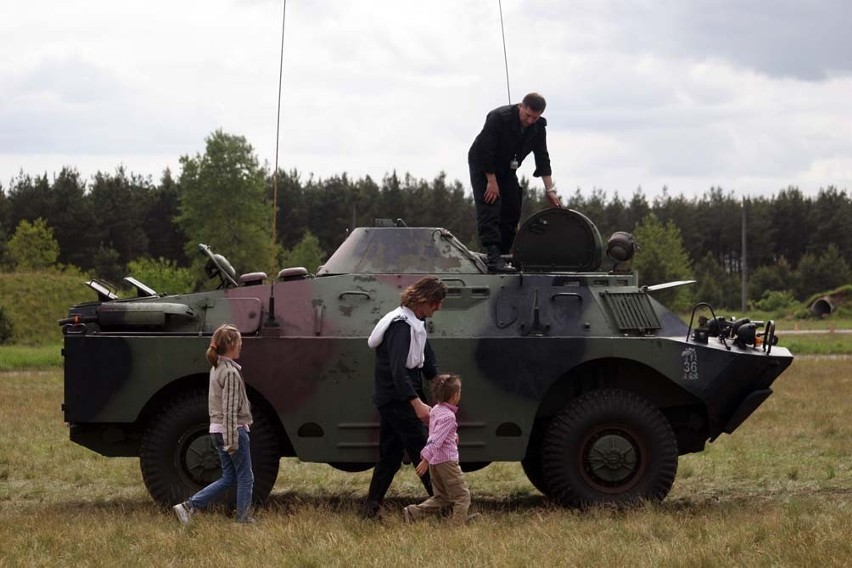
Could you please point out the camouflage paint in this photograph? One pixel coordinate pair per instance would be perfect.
(524, 344)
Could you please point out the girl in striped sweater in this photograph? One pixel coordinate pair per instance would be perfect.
(230, 418)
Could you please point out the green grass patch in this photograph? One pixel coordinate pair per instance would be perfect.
(834, 321)
(17, 357)
(818, 344)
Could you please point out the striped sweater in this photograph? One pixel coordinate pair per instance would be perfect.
(227, 402)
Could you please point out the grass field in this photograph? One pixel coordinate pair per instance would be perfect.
(778, 492)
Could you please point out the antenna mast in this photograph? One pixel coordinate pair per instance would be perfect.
(505, 58)
(277, 132)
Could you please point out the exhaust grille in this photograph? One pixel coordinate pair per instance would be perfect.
(632, 311)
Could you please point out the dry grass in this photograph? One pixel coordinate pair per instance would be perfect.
(777, 492)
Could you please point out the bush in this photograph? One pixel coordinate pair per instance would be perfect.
(773, 277)
(107, 265)
(775, 301)
(162, 275)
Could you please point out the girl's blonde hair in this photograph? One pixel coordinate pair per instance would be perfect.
(224, 338)
(444, 387)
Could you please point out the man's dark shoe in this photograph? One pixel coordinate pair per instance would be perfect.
(495, 261)
(369, 511)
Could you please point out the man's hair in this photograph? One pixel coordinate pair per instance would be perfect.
(534, 102)
(428, 290)
(444, 387)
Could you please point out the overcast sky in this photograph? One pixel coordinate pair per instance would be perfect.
(748, 95)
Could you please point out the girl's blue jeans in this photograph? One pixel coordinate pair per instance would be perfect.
(236, 468)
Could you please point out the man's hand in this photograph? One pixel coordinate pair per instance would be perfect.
(422, 468)
(550, 192)
(553, 198)
(492, 190)
(421, 409)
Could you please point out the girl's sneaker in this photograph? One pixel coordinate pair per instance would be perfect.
(183, 512)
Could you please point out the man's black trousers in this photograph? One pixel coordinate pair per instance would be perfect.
(497, 222)
(400, 431)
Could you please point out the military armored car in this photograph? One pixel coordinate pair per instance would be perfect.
(569, 366)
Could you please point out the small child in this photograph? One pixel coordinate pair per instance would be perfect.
(440, 456)
(230, 418)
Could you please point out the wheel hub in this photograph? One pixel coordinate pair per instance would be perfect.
(611, 459)
(200, 460)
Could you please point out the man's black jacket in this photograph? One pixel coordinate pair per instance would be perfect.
(502, 141)
(393, 381)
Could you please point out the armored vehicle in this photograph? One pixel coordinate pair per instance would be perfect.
(569, 366)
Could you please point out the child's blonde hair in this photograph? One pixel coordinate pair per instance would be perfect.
(224, 338)
(444, 387)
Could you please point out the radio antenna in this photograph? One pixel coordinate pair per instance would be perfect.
(505, 58)
(277, 132)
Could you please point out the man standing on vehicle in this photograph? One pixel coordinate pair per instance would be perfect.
(510, 133)
(403, 358)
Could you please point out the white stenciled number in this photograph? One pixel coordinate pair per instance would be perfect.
(690, 364)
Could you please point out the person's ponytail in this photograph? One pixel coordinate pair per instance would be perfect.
(224, 338)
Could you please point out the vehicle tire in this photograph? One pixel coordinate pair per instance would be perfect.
(609, 447)
(177, 456)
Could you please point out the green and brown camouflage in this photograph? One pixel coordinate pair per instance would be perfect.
(573, 370)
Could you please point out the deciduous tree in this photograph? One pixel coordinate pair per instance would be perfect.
(307, 253)
(223, 203)
(33, 246)
(661, 258)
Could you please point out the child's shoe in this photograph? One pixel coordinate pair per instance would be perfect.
(183, 512)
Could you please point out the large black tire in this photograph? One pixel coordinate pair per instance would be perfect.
(177, 456)
(609, 447)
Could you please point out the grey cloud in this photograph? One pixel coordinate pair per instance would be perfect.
(72, 106)
(805, 39)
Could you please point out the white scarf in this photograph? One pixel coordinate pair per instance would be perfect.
(418, 334)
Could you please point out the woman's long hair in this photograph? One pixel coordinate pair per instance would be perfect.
(427, 290)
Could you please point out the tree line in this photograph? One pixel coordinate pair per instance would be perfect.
(796, 243)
